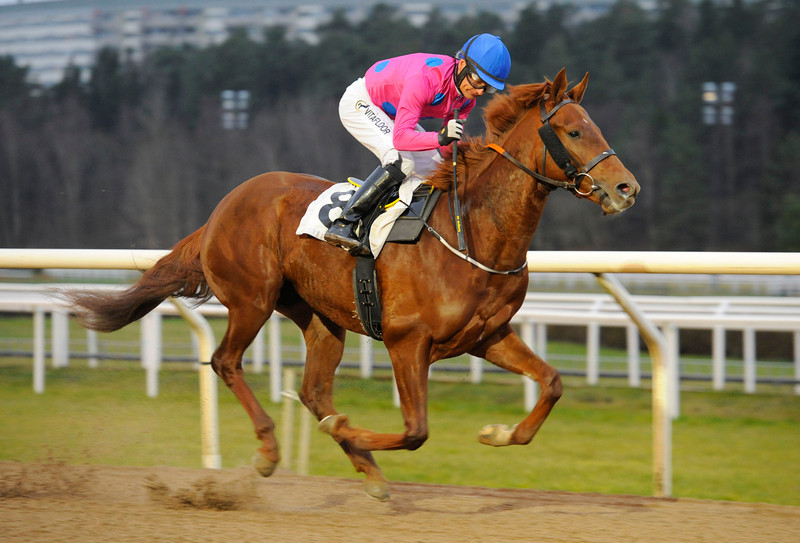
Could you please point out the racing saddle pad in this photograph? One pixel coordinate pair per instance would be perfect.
(395, 219)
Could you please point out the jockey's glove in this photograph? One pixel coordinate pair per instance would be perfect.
(451, 131)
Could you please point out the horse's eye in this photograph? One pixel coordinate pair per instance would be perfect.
(574, 134)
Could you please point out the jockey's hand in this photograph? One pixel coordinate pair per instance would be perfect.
(451, 131)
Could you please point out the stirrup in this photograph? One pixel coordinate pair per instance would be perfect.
(343, 234)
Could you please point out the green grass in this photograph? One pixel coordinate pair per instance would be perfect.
(727, 445)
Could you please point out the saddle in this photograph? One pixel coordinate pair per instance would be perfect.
(408, 226)
(406, 229)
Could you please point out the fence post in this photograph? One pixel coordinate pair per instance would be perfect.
(92, 348)
(475, 369)
(60, 330)
(365, 358)
(673, 370)
(275, 362)
(289, 395)
(38, 350)
(593, 353)
(151, 350)
(634, 362)
(749, 355)
(304, 448)
(291, 400)
(718, 357)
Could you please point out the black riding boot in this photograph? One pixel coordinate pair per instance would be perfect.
(379, 182)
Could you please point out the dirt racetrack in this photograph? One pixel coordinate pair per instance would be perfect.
(60, 502)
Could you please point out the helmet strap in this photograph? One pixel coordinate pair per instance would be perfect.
(458, 77)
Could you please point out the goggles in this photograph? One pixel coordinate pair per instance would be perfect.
(476, 82)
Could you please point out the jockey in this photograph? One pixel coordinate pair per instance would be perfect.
(382, 111)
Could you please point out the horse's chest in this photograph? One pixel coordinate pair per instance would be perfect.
(459, 311)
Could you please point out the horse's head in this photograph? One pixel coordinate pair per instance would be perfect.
(570, 151)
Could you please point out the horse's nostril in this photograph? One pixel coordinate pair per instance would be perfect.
(624, 190)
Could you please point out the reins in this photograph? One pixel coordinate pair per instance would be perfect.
(466, 257)
(462, 240)
(460, 254)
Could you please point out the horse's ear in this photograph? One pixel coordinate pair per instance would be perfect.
(559, 86)
(577, 91)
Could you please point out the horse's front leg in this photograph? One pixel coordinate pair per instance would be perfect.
(410, 362)
(324, 348)
(507, 350)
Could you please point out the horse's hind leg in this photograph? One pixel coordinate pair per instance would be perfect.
(324, 348)
(243, 325)
(507, 350)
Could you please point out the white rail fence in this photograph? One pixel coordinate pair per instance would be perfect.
(662, 345)
(717, 314)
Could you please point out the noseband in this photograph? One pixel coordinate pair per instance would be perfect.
(562, 157)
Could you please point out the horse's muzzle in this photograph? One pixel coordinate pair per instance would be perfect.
(621, 198)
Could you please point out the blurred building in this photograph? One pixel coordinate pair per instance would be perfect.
(49, 36)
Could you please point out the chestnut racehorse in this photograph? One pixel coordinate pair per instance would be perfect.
(437, 303)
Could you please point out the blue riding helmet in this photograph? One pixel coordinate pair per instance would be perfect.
(488, 56)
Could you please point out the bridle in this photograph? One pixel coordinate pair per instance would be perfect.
(552, 144)
(562, 157)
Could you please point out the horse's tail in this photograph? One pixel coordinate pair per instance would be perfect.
(179, 273)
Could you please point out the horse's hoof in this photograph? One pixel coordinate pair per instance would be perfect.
(377, 489)
(496, 435)
(330, 423)
(263, 466)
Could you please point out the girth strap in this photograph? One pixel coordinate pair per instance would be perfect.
(368, 302)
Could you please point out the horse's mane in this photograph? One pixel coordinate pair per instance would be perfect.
(500, 115)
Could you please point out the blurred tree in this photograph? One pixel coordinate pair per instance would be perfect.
(525, 43)
(105, 94)
(781, 44)
(233, 64)
(437, 35)
(776, 197)
(19, 117)
(179, 73)
(283, 67)
(71, 85)
(14, 87)
(387, 33)
(16, 203)
(671, 43)
(788, 224)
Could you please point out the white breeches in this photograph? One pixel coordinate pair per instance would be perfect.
(373, 129)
